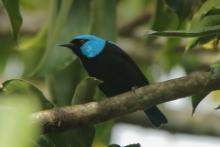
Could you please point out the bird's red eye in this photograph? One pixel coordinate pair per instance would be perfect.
(82, 41)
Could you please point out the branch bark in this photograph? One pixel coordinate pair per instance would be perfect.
(59, 119)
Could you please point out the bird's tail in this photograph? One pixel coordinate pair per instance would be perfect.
(156, 116)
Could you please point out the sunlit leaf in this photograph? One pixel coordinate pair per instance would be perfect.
(12, 7)
(192, 42)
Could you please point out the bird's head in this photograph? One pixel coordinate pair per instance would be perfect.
(88, 46)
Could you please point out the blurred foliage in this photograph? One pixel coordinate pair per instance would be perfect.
(35, 56)
(22, 87)
(12, 7)
(184, 8)
(15, 111)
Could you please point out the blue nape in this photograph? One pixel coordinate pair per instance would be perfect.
(92, 47)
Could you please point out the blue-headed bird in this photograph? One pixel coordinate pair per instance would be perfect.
(108, 62)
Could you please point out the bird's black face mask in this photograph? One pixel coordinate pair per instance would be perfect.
(75, 45)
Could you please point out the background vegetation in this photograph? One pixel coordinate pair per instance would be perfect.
(37, 74)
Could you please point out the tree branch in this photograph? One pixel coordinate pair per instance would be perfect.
(59, 119)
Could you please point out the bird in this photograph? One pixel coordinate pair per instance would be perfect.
(107, 62)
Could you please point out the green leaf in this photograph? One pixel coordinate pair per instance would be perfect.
(62, 83)
(78, 137)
(31, 50)
(207, 6)
(103, 133)
(38, 41)
(207, 16)
(204, 29)
(7, 48)
(104, 22)
(59, 11)
(67, 71)
(208, 31)
(12, 8)
(66, 22)
(33, 5)
(82, 137)
(196, 99)
(164, 14)
(43, 141)
(214, 11)
(16, 127)
(85, 90)
(192, 42)
(184, 8)
(168, 55)
(22, 87)
(136, 8)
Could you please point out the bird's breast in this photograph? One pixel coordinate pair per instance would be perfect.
(116, 76)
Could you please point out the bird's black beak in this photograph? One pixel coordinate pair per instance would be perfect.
(68, 45)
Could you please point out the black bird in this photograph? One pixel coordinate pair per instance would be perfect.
(106, 61)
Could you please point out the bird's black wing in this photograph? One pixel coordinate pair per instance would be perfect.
(132, 65)
(154, 114)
